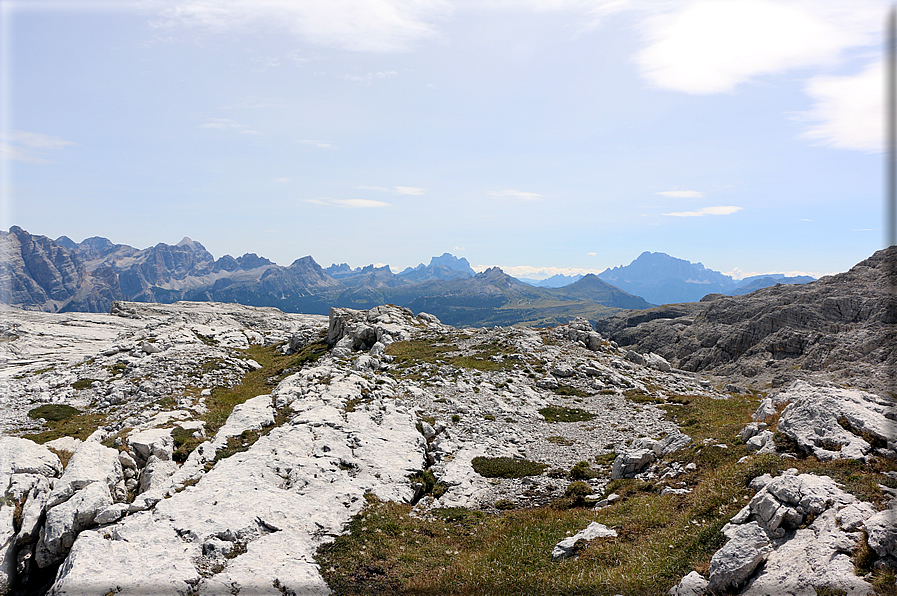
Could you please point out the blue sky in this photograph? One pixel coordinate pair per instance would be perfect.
(542, 136)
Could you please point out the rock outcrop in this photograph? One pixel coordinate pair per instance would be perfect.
(839, 326)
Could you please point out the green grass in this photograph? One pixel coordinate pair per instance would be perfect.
(64, 421)
(570, 391)
(83, 384)
(562, 414)
(506, 467)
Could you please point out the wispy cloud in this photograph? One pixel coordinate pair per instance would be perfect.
(681, 194)
(749, 38)
(531, 272)
(283, 180)
(355, 25)
(316, 143)
(516, 194)
(228, 124)
(410, 190)
(847, 110)
(720, 210)
(31, 147)
(367, 79)
(349, 203)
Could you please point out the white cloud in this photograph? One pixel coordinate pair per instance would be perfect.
(516, 194)
(228, 124)
(30, 147)
(710, 46)
(316, 143)
(370, 77)
(539, 272)
(410, 190)
(681, 194)
(349, 203)
(357, 25)
(847, 110)
(37, 140)
(359, 203)
(737, 273)
(720, 210)
(283, 180)
(592, 254)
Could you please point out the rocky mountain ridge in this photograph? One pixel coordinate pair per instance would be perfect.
(842, 325)
(225, 449)
(662, 279)
(39, 273)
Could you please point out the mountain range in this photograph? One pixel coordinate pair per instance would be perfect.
(662, 279)
(38, 273)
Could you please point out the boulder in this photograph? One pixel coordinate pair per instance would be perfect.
(629, 463)
(731, 565)
(567, 547)
(21, 456)
(91, 462)
(693, 584)
(155, 442)
(658, 362)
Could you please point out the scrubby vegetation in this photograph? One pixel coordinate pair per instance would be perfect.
(506, 467)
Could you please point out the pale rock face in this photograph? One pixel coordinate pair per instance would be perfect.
(21, 456)
(631, 462)
(567, 547)
(734, 562)
(814, 415)
(154, 442)
(882, 531)
(66, 520)
(91, 462)
(692, 584)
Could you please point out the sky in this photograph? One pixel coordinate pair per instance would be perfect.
(540, 136)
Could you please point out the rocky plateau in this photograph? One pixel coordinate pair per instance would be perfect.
(131, 462)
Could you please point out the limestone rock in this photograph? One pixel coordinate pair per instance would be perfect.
(693, 584)
(736, 560)
(21, 456)
(66, 520)
(832, 422)
(629, 463)
(567, 547)
(91, 462)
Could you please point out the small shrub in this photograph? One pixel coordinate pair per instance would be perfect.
(570, 391)
(489, 417)
(582, 471)
(53, 412)
(504, 504)
(559, 440)
(506, 467)
(562, 414)
(456, 418)
(83, 384)
(577, 491)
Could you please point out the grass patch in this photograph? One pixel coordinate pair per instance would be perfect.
(506, 467)
(562, 414)
(559, 440)
(81, 384)
(53, 412)
(64, 421)
(570, 391)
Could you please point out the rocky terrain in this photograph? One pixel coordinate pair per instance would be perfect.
(839, 327)
(207, 448)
